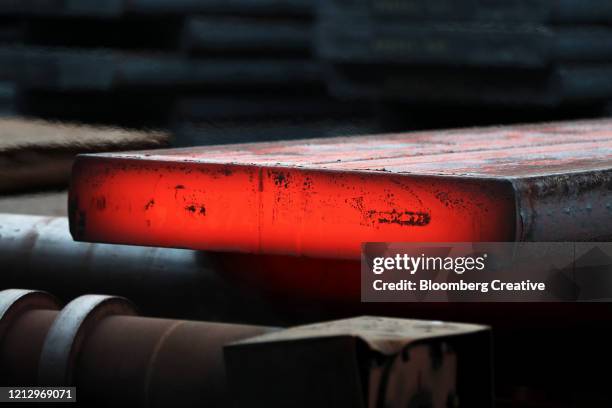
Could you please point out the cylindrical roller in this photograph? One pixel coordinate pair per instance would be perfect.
(25, 318)
(137, 361)
(113, 357)
(39, 252)
(70, 330)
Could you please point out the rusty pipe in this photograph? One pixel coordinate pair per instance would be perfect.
(161, 362)
(97, 344)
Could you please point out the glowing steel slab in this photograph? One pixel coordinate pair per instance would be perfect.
(323, 197)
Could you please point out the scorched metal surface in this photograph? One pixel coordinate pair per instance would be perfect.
(323, 197)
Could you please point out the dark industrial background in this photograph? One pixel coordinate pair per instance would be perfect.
(81, 76)
(217, 72)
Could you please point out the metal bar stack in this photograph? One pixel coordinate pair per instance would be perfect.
(515, 53)
(183, 65)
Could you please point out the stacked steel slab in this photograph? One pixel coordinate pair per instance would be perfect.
(507, 53)
(165, 63)
(324, 197)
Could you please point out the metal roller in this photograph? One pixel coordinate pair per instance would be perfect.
(70, 330)
(25, 318)
(14, 302)
(138, 361)
(113, 357)
(39, 252)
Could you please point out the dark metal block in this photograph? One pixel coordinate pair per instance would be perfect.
(103, 70)
(364, 362)
(249, 131)
(266, 107)
(118, 8)
(569, 84)
(588, 11)
(246, 35)
(519, 46)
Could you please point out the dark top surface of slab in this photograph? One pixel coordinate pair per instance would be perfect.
(493, 152)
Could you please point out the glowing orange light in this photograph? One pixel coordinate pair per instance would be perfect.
(277, 210)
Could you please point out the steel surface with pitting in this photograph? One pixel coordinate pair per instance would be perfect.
(323, 197)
